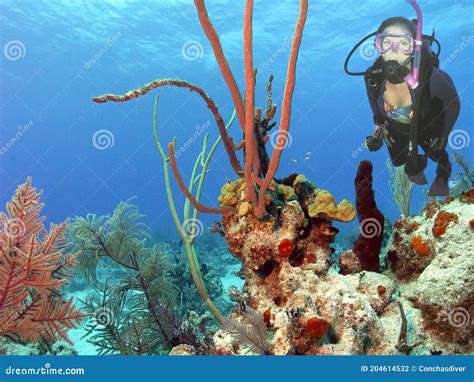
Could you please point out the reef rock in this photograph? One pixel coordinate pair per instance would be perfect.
(444, 287)
(183, 349)
(422, 304)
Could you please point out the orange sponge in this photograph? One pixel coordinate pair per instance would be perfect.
(419, 246)
(441, 222)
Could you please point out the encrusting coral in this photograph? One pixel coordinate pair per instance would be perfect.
(442, 221)
(34, 266)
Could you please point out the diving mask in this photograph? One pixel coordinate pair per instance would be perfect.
(395, 42)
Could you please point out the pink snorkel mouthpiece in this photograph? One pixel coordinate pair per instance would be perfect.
(412, 79)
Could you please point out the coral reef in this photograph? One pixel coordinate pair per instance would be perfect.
(183, 350)
(9, 347)
(34, 266)
(423, 304)
(416, 241)
(281, 230)
(291, 233)
(282, 254)
(444, 281)
(258, 170)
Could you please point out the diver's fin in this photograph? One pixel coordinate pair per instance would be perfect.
(419, 178)
(439, 187)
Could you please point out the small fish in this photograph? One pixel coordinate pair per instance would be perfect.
(294, 161)
(308, 153)
(307, 157)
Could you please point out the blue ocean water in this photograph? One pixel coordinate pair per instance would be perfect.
(87, 157)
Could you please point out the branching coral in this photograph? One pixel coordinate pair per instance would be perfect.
(254, 145)
(188, 229)
(250, 332)
(464, 180)
(401, 188)
(137, 314)
(33, 268)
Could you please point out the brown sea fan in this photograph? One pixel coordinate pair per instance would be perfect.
(33, 268)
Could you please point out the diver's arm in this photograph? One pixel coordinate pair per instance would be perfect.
(442, 87)
(373, 142)
(372, 101)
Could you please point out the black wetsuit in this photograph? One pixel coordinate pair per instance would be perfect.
(439, 110)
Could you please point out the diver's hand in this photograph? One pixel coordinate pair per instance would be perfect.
(375, 141)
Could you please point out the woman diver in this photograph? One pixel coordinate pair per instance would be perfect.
(414, 103)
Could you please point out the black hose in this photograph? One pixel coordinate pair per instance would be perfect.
(352, 52)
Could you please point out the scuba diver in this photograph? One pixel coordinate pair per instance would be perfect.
(414, 103)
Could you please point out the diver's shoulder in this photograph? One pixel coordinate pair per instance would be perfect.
(440, 76)
(439, 73)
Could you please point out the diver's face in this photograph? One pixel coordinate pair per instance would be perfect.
(397, 46)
